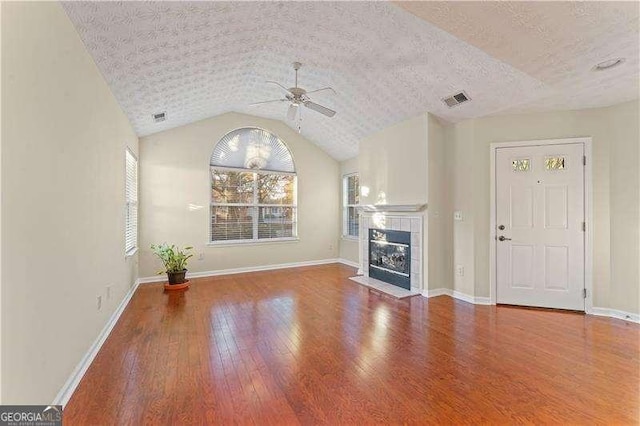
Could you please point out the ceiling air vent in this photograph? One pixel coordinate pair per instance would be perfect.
(456, 99)
(159, 117)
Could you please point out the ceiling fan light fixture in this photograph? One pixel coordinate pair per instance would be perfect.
(608, 64)
(299, 97)
(292, 111)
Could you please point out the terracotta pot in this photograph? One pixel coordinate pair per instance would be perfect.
(172, 287)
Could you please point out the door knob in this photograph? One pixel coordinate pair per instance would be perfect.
(503, 238)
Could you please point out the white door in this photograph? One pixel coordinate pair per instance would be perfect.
(539, 226)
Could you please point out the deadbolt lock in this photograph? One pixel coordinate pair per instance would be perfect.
(501, 227)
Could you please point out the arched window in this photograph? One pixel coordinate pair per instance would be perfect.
(253, 188)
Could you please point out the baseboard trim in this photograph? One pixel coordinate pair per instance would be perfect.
(457, 295)
(349, 263)
(63, 396)
(615, 313)
(601, 312)
(232, 271)
(437, 292)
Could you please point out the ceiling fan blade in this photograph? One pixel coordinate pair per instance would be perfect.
(267, 102)
(292, 111)
(319, 108)
(324, 88)
(279, 85)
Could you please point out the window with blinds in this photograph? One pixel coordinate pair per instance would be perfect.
(253, 188)
(351, 199)
(131, 199)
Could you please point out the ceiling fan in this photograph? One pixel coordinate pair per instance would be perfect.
(298, 96)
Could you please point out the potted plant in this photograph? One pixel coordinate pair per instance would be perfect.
(174, 260)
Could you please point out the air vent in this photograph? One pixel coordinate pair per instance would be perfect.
(159, 117)
(456, 99)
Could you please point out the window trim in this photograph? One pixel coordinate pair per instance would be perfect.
(130, 251)
(256, 205)
(345, 207)
(253, 242)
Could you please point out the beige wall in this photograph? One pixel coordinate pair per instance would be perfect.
(63, 150)
(460, 164)
(348, 246)
(174, 175)
(406, 164)
(1, 400)
(616, 202)
(392, 163)
(625, 206)
(438, 215)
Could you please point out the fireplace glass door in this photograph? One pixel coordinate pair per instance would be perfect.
(390, 257)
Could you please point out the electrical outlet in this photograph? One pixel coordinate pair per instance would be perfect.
(201, 256)
(99, 302)
(330, 247)
(109, 292)
(457, 215)
(460, 270)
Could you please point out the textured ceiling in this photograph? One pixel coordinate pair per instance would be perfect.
(199, 59)
(556, 42)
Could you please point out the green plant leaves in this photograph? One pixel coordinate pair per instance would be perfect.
(173, 258)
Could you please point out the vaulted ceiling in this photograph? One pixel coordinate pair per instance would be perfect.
(387, 62)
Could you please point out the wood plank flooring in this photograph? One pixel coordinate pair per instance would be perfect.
(309, 346)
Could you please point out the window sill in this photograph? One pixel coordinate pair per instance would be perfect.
(131, 252)
(350, 238)
(253, 242)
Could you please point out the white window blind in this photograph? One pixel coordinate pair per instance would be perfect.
(351, 200)
(131, 197)
(253, 188)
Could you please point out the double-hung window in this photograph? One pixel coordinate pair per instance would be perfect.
(351, 199)
(253, 188)
(131, 202)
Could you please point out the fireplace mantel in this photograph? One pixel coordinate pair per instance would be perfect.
(389, 208)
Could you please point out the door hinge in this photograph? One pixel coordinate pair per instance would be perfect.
(584, 160)
(584, 293)
(584, 226)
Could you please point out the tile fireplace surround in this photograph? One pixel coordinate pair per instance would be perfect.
(403, 219)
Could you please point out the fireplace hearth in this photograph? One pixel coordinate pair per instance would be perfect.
(390, 256)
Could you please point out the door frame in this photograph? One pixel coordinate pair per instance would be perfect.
(588, 212)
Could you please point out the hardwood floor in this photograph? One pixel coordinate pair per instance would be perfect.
(309, 346)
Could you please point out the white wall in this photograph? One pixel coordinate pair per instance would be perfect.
(615, 135)
(393, 163)
(348, 246)
(63, 150)
(174, 175)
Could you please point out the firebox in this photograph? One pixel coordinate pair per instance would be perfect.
(390, 257)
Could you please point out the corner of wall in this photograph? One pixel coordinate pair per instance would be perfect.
(439, 212)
